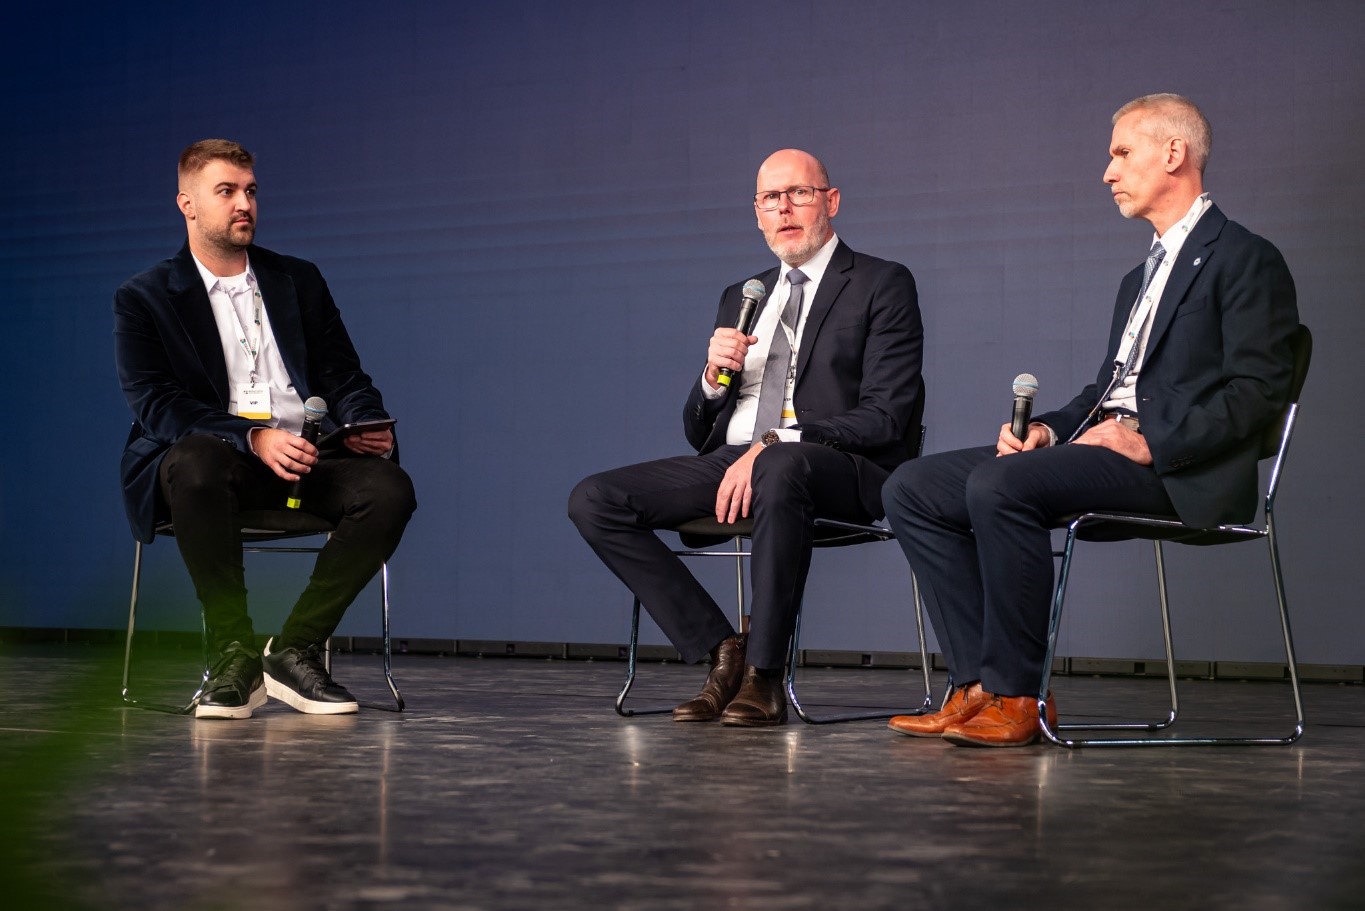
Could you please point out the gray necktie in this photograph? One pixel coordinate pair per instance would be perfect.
(772, 395)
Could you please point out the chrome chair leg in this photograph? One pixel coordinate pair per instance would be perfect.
(631, 653)
(794, 654)
(126, 691)
(388, 641)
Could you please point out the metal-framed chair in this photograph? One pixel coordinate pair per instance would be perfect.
(699, 533)
(1112, 526)
(260, 529)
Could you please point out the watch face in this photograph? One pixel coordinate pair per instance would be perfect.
(769, 438)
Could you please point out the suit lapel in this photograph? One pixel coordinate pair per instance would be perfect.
(190, 304)
(286, 324)
(831, 285)
(1194, 256)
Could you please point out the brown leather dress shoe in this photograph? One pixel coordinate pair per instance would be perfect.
(1005, 721)
(965, 702)
(727, 668)
(760, 701)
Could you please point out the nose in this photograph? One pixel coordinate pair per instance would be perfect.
(784, 202)
(1111, 173)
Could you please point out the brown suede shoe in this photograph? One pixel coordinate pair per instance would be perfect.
(965, 702)
(1005, 721)
(727, 667)
(759, 703)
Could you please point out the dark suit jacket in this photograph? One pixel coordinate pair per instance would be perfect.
(174, 373)
(858, 381)
(1216, 372)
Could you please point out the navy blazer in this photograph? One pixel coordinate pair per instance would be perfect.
(859, 386)
(1217, 369)
(173, 370)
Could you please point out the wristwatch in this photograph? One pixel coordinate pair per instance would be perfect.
(769, 438)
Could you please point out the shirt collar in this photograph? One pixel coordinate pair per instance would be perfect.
(211, 281)
(1175, 235)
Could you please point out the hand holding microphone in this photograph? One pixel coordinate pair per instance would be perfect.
(314, 410)
(1025, 388)
(753, 294)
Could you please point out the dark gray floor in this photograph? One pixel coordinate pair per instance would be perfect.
(512, 784)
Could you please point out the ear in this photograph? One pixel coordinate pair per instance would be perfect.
(185, 203)
(832, 202)
(1176, 153)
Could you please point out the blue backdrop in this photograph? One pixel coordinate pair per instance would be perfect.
(527, 210)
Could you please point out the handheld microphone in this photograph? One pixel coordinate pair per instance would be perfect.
(1025, 388)
(753, 292)
(314, 410)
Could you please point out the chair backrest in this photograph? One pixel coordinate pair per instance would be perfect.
(1274, 437)
(1275, 442)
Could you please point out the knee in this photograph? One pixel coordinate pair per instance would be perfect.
(390, 491)
(586, 502)
(898, 491)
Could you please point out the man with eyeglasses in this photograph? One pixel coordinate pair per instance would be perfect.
(820, 408)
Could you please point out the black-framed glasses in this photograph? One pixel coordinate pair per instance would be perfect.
(797, 196)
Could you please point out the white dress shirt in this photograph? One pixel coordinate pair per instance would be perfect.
(741, 428)
(249, 348)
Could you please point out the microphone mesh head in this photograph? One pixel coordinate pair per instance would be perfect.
(1026, 385)
(315, 409)
(754, 290)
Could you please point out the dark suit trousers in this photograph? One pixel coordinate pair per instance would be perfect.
(617, 512)
(977, 532)
(206, 481)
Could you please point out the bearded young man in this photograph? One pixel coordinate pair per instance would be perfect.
(217, 350)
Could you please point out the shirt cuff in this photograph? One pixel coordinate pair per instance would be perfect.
(711, 394)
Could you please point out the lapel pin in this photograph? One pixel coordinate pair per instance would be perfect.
(1197, 260)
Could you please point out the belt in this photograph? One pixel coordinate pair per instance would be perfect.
(1127, 420)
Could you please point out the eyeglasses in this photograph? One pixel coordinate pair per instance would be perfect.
(797, 196)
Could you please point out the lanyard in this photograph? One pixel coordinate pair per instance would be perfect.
(250, 341)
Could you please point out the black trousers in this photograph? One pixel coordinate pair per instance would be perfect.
(976, 529)
(206, 482)
(617, 512)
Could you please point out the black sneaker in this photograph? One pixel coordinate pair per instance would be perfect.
(297, 677)
(235, 687)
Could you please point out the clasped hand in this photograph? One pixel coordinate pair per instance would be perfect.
(1108, 434)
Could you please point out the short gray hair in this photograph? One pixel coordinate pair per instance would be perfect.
(1174, 115)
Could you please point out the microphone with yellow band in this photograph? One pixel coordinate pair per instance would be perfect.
(753, 292)
(314, 410)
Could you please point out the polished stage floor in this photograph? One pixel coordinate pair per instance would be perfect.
(511, 784)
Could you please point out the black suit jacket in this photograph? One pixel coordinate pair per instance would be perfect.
(858, 382)
(1216, 372)
(174, 373)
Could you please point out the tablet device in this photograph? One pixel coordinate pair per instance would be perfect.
(346, 430)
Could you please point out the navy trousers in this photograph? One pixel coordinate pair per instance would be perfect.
(976, 529)
(618, 511)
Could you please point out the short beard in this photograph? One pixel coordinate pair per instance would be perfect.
(819, 236)
(228, 240)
